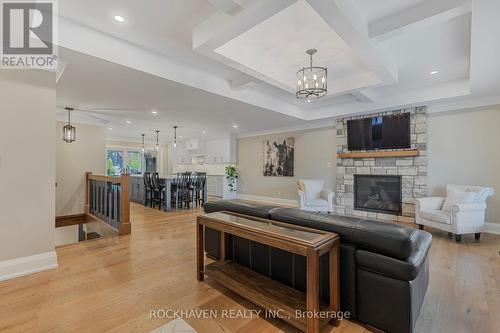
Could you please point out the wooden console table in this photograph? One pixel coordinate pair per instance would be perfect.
(262, 290)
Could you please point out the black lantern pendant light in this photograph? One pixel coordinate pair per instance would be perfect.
(175, 137)
(143, 135)
(69, 131)
(157, 142)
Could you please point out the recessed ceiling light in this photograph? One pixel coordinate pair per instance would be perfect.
(110, 128)
(154, 112)
(128, 122)
(433, 72)
(204, 132)
(235, 125)
(180, 136)
(119, 18)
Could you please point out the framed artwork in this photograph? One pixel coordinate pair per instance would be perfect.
(278, 157)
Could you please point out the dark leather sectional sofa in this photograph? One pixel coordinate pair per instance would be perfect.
(384, 269)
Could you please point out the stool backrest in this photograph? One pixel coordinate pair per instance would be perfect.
(155, 180)
(146, 177)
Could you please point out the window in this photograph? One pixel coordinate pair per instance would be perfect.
(114, 163)
(134, 162)
(119, 159)
(150, 161)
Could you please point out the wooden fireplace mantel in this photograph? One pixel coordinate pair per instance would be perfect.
(380, 153)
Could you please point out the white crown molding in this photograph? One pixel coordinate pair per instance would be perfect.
(13, 268)
(268, 200)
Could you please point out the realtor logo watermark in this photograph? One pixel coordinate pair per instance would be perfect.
(28, 33)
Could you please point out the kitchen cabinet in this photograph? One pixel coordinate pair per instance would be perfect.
(217, 152)
(136, 189)
(215, 185)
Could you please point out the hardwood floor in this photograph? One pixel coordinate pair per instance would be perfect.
(111, 284)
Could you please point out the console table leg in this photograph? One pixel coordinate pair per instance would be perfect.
(334, 276)
(200, 255)
(312, 292)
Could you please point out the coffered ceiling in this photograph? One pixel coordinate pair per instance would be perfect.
(380, 54)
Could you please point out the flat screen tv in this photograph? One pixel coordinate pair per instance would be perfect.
(387, 132)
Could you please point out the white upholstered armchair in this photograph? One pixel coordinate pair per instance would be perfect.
(461, 212)
(313, 197)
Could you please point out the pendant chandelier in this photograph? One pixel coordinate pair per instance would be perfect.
(157, 142)
(312, 82)
(143, 135)
(175, 137)
(69, 131)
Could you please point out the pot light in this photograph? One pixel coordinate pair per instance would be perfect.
(204, 132)
(235, 125)
(433, 72)
(128, 122)
(110, 128)
(119, 18)
(154, 112)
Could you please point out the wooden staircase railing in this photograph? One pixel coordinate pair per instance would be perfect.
(107, 199)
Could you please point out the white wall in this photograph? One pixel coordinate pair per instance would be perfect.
(27, 165)
(87, 153)
(464, 148)
(315, 158)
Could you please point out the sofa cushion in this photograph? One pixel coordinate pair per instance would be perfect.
(458, 197)
(241, 207)
(436, 215)
(316, 203)
(342, 225)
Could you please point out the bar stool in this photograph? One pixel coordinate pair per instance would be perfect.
(199, 188)
(183, 190)
(158, 190)
(148, 189)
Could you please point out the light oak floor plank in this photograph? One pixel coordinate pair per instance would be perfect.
(111, 284)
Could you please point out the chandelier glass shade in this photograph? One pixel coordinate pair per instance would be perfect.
(312, 81)
(69, 131)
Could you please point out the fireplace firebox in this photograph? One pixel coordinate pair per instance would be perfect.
(378, 193)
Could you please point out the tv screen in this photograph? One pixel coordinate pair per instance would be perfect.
(387, 132)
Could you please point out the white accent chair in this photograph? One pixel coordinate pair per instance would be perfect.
(465, 217)
(312, 196)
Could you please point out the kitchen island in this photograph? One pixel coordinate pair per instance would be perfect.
(137, 192)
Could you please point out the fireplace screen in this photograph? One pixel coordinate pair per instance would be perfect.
(377, 193)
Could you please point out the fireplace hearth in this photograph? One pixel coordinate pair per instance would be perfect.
(377, 193)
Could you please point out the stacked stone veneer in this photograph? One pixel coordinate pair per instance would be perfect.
(413, 170)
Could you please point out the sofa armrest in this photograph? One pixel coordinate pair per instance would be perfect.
(470, 207)
(327, 195)
(430, 202)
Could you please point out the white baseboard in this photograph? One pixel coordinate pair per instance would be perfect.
(492, 228)
(269, 200)
(13, 268)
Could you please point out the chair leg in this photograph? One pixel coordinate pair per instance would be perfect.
(458, 238)
(477, 235)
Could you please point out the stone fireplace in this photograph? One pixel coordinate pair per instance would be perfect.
(377, 197)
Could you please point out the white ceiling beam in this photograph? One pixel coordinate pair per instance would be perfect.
(423, 14)
(243, 82)
(344, 18)
(364, 95)
(231, 7)
(485, 49)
